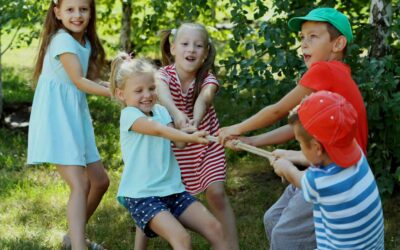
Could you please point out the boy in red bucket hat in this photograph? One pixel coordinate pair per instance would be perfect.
(324, 35)
(339, 183)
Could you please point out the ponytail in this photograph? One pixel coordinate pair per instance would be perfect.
(206, 68)
(115, 77)
(165, 46)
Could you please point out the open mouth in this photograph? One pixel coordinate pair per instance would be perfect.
(306, 57)
(190, 58)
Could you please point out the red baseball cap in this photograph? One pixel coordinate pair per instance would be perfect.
(332, 121)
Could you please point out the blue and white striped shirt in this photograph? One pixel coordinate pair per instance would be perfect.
(347, 206)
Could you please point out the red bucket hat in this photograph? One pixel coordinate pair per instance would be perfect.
(331, 120)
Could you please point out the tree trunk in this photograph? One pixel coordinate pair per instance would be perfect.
(125, 35)
(380, 19)
(1, 82)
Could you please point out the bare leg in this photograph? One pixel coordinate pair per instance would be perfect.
(140, 240)
(168, 227)
(197, 218)
(76, 178)
(222, 210)
(99, 183)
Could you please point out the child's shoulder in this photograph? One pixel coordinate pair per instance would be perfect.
(328, 65)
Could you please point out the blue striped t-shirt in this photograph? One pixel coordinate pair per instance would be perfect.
(347, 206)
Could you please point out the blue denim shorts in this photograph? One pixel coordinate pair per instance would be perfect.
(143, 210)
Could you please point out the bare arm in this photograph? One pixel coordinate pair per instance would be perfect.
(267, 115)
(203, 102)
(147, 126)
(288, 171)
(276, 136)
(74, 70)
(165, 98)
(294, 156)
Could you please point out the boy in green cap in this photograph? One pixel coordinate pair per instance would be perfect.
(325, 34)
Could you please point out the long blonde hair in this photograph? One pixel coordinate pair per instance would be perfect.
(124, 67)
(208, 64)
(52, 25)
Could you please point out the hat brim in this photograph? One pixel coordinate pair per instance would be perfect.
(344, 156)
(296, 22)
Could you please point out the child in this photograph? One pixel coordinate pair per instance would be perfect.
(187, 90)
(339, 183)
(70, 56)
(325, 33)
(151, 187)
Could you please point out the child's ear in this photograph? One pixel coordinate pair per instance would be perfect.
(119, 94)
(57, 12)
(340, 44)
(172, 49)
(319, 149)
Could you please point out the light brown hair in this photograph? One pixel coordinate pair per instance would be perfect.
(52, 25)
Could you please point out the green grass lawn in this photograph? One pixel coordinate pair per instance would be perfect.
(33, 199)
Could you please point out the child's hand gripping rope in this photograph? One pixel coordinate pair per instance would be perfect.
(251, 149)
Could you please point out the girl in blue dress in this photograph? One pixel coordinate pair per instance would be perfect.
(151, 187)
(60, 127)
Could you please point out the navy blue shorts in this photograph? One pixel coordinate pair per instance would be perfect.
(143, 210)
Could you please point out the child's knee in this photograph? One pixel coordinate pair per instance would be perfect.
(104, 183)
(101, 184)
(182, 241)
(217, 197)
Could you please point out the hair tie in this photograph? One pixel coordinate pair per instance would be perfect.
(173, 32)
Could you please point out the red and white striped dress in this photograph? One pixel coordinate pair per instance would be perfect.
(200, 165)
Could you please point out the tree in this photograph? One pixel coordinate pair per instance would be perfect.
(125, 35)
(17, 18)
(381, 20)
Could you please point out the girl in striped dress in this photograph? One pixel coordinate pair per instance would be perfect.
(187, 91)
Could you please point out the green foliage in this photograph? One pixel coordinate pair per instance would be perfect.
(262, 64)
(20, 18)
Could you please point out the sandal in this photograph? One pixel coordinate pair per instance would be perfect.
(66, 244)
(93, 245)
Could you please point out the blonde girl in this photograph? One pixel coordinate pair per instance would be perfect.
(60, 130)
(187, 90)
(151, 188)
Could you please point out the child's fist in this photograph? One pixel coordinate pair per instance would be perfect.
(200, 137)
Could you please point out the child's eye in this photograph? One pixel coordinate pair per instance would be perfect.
(84, 9)
(200, 46)
(184, 44)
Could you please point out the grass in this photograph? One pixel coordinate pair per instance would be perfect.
(33, 199)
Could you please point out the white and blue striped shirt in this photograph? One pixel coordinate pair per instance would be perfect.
(347, 206)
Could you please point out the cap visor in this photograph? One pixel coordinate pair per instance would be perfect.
(345, 156)
(296, 22)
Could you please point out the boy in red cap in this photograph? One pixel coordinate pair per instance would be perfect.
(339, 183)
(325, 34)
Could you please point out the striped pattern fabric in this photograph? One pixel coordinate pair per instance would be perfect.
(200, 165)
(347, 206)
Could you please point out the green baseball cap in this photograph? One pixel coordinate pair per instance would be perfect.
(329, 15)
